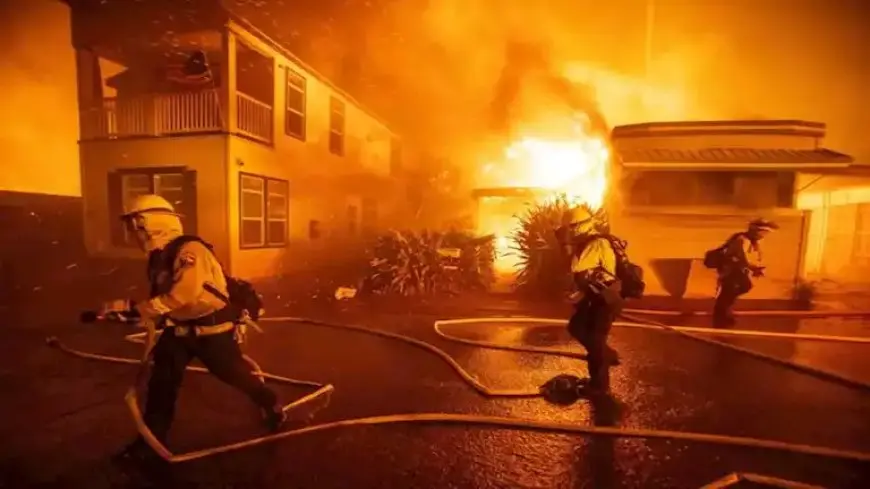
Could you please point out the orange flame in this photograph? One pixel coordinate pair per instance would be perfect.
(575, 169)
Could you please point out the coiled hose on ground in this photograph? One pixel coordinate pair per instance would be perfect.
(452, 419)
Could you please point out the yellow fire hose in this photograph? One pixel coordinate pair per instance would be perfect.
(453, 419)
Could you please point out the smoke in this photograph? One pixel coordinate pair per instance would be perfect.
(466, 73)
(528, 68)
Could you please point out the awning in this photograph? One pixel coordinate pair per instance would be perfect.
(724, 159)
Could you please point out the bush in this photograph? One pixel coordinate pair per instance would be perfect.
(544, 264)
(803, 293)
(415, 264)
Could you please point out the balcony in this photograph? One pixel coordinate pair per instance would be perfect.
(176, 114)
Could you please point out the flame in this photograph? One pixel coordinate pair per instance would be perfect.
(572, 168)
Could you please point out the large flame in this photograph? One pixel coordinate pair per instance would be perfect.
(574, 168)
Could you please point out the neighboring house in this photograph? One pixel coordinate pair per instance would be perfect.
(685, 187)
(264, 157)
(838, 235)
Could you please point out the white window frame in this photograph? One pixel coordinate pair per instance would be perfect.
(264, 193)
(337, 107)
(295, 81)
(285, 208)
(129, 191)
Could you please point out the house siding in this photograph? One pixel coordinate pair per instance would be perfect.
(682, 238)
(204, 154)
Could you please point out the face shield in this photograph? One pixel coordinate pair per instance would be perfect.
(152, 230)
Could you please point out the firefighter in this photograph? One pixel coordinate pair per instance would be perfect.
(740, 262)
(597, 297)
(196, 323)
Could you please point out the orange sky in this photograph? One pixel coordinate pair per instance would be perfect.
(806, 59)
(38, 112)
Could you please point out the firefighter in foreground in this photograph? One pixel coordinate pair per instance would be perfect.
(190, 300)
(737, 262)
(603, 279)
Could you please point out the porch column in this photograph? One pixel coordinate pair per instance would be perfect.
(228, 75)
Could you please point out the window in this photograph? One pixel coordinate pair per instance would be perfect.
(176, 185)
(682, 189)
(352, 219)
(263, 207)
(369, 215)
(861, 251)
(294, 110)
(336, 126)
(395, 156)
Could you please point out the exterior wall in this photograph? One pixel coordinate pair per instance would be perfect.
(204, 154)
(682, 236)
(321, 185)
(838, 241)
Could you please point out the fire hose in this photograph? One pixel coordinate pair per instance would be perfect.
(457, 419)
(806, 314)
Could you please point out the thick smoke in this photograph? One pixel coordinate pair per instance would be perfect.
(527, 66)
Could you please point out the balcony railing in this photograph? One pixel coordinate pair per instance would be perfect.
(254, 118)
(174, 114)
(154, 115)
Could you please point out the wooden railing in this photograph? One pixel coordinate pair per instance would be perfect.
(174, 114)
(154, 115)
(254, 118)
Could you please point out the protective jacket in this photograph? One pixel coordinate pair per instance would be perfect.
(180, 279)
(741, 254)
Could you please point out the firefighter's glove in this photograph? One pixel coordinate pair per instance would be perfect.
(121, 310)
(576, 296)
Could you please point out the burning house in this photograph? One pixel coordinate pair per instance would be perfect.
(262, 154)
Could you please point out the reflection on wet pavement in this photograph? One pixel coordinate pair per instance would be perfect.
(666, 382)
(851, 360)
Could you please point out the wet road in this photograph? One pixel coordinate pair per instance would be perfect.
(62, 417)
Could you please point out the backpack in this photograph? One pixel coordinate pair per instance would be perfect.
(717, 257)
(630, 274)
(242, 296)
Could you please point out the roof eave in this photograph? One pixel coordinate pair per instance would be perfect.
(725, 166)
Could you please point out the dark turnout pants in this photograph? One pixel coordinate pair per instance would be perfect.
(221, 355)
(590, 325)
(731, 286)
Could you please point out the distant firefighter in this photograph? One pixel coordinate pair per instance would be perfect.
(737, 262)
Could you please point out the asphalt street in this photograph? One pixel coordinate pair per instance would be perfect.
(63, 417)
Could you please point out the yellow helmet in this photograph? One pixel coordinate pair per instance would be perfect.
(581, 214)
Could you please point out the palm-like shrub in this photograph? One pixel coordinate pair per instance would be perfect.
(543, 261)
(414, 264)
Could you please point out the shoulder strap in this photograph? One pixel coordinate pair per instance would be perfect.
(174, 247)
(171, 250)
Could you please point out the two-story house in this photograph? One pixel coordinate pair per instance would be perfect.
(263, 156)
(685, 187)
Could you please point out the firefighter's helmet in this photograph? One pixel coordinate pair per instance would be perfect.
(152, 220)
(763, 225)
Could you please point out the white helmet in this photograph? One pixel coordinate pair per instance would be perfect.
(153, 221)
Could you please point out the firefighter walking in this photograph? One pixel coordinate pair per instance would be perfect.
(737, 262)
(597, 297)
(197, 323)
